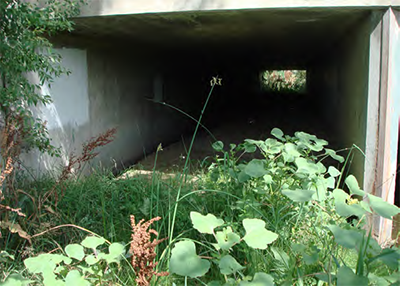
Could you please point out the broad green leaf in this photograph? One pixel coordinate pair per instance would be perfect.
(278, 133)
(377, 281)
(74, 278)
(306, 167)
(348, 238)
(373, 248)
(290, 152)
(352, 184)
(116, 252)
(300, 196)
(226, 239)
(346, 277)
(243, 177)
(75, 251)
(256, 234)
(365, 206)
(50, 278)
(330, 183)
(91, 259)
(394, 278)
(383, 208)
(333, 171)
(272, 146)
(343, 208)
(311, 256)
(321, 168)
(205, 224)
(92, 242)
(228, 265)
(310, 141)
(60, 269)
(255, 168)
(16, 279)
(391, 257)
(45, 262)
(5, 256)
(218, 146)
(332, 154)
(185, 262)
(267, 179)
(260, 279)
(321, 187)
(250, 146)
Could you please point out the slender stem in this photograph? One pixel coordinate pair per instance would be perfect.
(187, 115)
(70, 225)
(343, 168)
(183, 175)
(153, 180)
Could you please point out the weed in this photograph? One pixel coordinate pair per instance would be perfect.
(75, 163)
(143, 251)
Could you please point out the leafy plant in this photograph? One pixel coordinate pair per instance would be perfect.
(28, 63)
(81, 264)
(185, 262)
(287, 184)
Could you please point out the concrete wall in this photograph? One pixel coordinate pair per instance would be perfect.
(339, 82)
(106, 89)
(68, 116)
(389, 117)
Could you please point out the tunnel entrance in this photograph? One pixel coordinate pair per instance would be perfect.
(142, 63)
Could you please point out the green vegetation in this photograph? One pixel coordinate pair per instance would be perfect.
(281, 217)
(279, 211)
(284, 80)
(28, 63)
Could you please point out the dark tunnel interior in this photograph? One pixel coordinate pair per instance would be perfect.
(190, 48)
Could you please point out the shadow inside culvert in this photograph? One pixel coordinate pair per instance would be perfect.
(239, 121)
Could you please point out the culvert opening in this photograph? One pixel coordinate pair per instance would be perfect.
(137, 62)
(284, 81)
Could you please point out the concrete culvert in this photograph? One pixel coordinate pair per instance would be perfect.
(129, 62)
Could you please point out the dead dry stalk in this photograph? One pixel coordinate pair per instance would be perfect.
(143, 251)
(10, 149)
(76, 163)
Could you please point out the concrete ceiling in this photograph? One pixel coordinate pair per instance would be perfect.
(284, 32)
